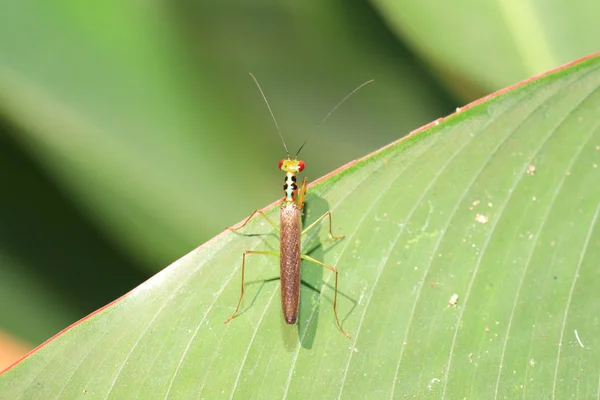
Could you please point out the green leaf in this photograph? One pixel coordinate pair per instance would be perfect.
(497, 204)
(146, 136)
(492, 44)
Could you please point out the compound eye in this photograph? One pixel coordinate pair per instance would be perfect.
(301, 166)
(280, 164)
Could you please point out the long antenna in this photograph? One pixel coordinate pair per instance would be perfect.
(271, 111)
(332, 110)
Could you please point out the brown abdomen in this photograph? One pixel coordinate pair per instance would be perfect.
(290, 261)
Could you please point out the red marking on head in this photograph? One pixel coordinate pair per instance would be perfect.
(301, 166)
(280, 164)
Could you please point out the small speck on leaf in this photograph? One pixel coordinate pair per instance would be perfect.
(453, 300)
(482, 219)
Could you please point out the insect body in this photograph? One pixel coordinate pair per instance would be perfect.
(290, 231)
(290, 219)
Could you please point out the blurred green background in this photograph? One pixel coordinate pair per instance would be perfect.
(131, 132)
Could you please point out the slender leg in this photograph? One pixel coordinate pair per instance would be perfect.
(327, 214)
(329, 267)
(302, 194)
(250, 217)
(270, 253)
